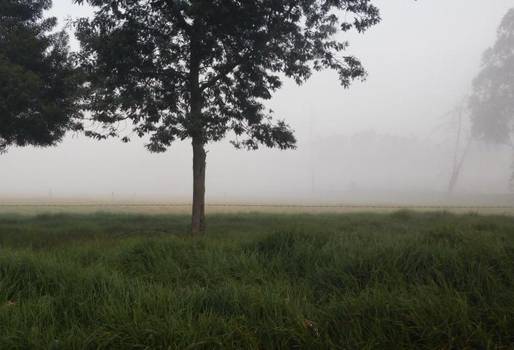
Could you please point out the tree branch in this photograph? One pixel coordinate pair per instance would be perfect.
(230, 67)
(226, 70)
(181, 19)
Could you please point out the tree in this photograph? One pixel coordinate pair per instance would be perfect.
(199, 70)
(492, 102)
(459, 113)
(38, 86)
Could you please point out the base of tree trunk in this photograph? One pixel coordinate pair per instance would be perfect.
(199, 165)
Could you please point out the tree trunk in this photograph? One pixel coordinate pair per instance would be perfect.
(198, 136)
(457, 164)
(199, 165)
(458, 168)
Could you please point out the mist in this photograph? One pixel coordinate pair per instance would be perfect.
(388, 139)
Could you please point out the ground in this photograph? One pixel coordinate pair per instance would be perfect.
(400, 280)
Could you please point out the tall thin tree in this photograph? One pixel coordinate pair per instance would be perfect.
(460, 113)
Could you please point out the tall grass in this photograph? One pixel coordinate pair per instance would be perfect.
(257, 281)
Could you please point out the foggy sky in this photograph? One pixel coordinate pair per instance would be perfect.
(421, 60)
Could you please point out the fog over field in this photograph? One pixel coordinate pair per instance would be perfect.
(388, 139)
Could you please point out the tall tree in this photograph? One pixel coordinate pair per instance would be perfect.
(200, 69)
(38, 88)
(492, 102)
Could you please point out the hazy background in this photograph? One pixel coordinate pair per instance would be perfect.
(386, 139)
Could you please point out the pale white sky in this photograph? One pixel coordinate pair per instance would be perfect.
(421, 60)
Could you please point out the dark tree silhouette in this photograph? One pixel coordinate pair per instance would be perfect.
(492, 102)
(38, 88)
(199, 69)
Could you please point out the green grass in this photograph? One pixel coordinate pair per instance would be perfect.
(257, 281)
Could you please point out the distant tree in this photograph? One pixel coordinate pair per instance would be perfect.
(200, 69)
(492, 102)
(460, 113)
(37, 80)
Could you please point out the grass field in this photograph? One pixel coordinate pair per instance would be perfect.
(258, 281)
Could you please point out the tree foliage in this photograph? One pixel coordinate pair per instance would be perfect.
(37, 79)
(492, 102)
(200, 69)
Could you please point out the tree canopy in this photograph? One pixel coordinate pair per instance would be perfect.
(181, 69)
(492, 102)
(37, 79)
